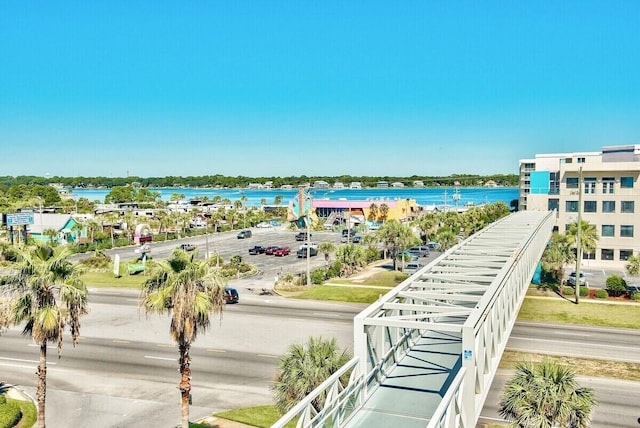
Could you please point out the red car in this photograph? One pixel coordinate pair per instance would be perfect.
(282, 251)
(270, 250)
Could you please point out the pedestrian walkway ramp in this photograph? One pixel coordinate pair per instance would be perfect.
(426, 353)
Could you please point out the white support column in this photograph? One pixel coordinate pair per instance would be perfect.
(468, 415)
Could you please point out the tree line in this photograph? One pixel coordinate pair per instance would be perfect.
(240, 181)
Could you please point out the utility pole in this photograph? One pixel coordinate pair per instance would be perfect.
(579, 232)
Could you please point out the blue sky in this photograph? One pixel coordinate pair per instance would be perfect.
(280, 88)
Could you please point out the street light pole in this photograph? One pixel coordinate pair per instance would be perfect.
(578, 237)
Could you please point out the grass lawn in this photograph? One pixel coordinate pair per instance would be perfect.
(260, 416)
(553, 309)
(107, 279)
(387, 278)
(331, 293)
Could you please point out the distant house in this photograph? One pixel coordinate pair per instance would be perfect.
(320, 184)
(338, 185)
(397, 184)
(355, 185)
(286, 187)
(255, 186)
(490, 183)
(418, 183)
(382, 184)
(64, 226)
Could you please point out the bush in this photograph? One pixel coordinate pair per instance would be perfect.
(10, 413)
(584, 291)
(635, 296)
(318, 276)
(616, 286)
(601, 294)
(334, 270)
(568, 291)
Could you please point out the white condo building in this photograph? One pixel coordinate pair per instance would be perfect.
(610, 197)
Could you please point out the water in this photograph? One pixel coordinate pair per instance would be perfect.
(423, 196)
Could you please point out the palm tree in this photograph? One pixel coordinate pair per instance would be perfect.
(373, 212)
(326, 248)
(48, 294)
(352, 256)
(395, 237)
(302, 369)
(546, 394)
(633, 265)
(588, 237)
(384, 211)
(446, 238)
(51, 234)
(557, 254)
(190, 292)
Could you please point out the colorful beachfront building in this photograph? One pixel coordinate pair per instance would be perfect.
(342, 210)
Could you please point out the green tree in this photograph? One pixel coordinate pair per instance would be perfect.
(588, 237)
(373, 212)
(383, 211)
(633, 265)
(190, 293)
(546, 394)
(351, 256)
(51, 235)
(303, 368)
(557, 254)
(48, 295)
(326, 248)
(446, 238)
(395, 237)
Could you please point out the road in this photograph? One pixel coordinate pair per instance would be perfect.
(124, 371)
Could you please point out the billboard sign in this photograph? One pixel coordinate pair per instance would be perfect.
(19, 219)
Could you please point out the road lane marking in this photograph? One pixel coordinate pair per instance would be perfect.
(34, 345)
(327, 314)
(296, 319)
(162, 345)
(268, 356)
(562, 333)
(17, 366)
(120, 341)
(159, 358)
(20, 360)
(216, 350)
(595, 345)
(254, 316)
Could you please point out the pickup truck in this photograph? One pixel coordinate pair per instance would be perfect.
(257, 249)
(187, 247)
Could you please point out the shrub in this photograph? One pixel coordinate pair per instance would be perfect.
(318, 276)
(235, 259)
(568, 291)
(10, 413)
(616, 286)
(601, 294)
(635, 296)
(584, 291)
(372, 254)
(334, 270)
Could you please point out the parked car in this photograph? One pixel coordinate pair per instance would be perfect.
(257, 249)
(407, 256)
(270, 250)
(356, 239)
(302, 252)
(309, 244)
(302, 236)
(348, 235)
(187, 247)
(263, 225)
(421, 251)
(633, 288)
(433, 245)
(244, 234)
(231, 295)
(411, 268)
(571, 280)
(282, 251)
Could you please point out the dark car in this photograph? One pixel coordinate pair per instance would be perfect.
(271, 249)
(302, 236)
(633, 288)
(356, 239)
(571, 280)
(231, 295)
(258, 249)
(302, 252)
(282, 251)
(187, 247)
(420, 251)
(244, 234)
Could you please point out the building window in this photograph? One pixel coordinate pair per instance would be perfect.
(606, 254)
(607, 185)
(608, 230)
(572, 182)
(626, 207)
(588, 256)
(580, 160)
(590, 185)
(626, 231)
(626, 182)
(571, 206)
(590, 206)
(553, 204)
(608, 206)
(625, 254)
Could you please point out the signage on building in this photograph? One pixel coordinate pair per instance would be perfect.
(19, 219)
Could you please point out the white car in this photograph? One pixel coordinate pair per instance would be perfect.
(263, 225)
